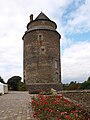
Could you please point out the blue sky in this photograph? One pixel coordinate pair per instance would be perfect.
(73, 23)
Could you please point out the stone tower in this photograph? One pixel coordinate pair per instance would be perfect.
(42, 69)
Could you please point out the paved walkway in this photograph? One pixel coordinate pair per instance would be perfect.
(15, 106)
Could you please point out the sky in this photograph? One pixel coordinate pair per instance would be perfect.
(73, 23)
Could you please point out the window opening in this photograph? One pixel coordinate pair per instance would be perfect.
(56, 76)
(40, 37)
(42, 49)
(56, 64)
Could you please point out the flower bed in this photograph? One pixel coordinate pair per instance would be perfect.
(56, 107)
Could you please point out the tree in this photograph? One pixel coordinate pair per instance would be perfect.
(86, 84)
(72, 86)
(88, 79)
(22, 87)
(1, 80)
(14, 82)
(76, 86)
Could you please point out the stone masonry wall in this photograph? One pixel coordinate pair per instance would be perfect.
(81, 96)
(41, 49)
(35, 88)
(43, 23)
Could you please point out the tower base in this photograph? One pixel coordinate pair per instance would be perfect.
(38, 87)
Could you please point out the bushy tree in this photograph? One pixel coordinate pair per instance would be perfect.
(14, 82)
(72, 86)
(1, 80)
(22, 87)
(86, 84)
(88, 79)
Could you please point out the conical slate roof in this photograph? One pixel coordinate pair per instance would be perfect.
(48, 24)
(42, 16)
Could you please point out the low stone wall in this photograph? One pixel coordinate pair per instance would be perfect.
(43, 87)
(79, 96)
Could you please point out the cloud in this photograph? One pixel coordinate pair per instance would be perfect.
(79, 19)
(75, 62)
(11, 60)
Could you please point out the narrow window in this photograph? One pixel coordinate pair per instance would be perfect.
(56, 76)
(56, 64)
(42, 50)
(40, 37)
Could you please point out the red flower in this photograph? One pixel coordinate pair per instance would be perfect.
(35, 114)
(76, 115)
(63, 113)
(44, 103)
(74, 111)
(59, 119)
(42, 97)
(78, 105)
(46, 109)
(36, 103)
(55, 102)
(67, 117)
(65, 101)
(33, 106)
(39, 110)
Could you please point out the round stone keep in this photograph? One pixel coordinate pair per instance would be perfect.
(41, 41)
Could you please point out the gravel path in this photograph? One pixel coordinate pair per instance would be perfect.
(15, 106)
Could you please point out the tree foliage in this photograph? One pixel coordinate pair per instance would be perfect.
(86, 84)
(72, 86)
(14, 82)
(22, 87)
(1, 80)
(75, 86)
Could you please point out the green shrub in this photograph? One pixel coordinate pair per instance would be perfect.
(22, 87)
